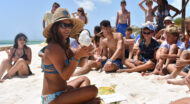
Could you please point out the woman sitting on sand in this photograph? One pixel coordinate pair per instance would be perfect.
(19, 57)
(60, 63)
(144, 57)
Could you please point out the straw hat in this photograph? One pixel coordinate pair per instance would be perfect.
(63, 14)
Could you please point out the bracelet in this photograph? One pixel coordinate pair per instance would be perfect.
(110, 60)
(75, 59)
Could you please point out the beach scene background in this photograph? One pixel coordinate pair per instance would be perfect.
(26, 17)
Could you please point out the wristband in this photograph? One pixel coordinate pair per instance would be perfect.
(75, 59)
(110, 60)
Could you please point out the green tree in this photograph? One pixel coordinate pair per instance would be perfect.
(177, 21)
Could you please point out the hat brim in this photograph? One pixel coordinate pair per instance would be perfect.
(77, 27)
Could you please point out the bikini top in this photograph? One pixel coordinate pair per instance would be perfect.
(163, 13)
(24, 56)
(50, 69)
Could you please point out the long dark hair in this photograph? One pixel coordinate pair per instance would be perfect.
(163, 7)
(16, 40)
(55, 36)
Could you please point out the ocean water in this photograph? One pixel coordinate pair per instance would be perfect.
(4, 43)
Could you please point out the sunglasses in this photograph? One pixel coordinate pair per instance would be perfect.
(79, 10)
(147, 33)
(22, 39)
(64, 25)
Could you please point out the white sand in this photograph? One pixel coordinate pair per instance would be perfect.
(137, 89)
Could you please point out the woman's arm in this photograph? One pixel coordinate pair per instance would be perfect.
(29, 55)
(57, 58)
(141, 5)
(174, 9)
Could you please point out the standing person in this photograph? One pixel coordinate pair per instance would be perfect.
(123, 19)
(48, 15)
(161, 11)
(20, 55)
(80, 14)
(144, 58)
(60, 63)
(149, 16)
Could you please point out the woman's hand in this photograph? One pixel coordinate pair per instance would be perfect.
(15, 58)
(83, 51)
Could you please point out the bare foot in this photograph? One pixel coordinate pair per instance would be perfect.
(6, 77)
(145, 74)
(185, 81)
(120, 71)
(166, 77)
(124, 70)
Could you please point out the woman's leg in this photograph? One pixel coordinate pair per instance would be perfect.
(175, 70)
(5, 64)
(182, 101)
(83, 61)
(185, 81)
(148, 65)
(20, 66)
(160, 62)
(81, 93)
(79, 82)
(87, 67)
(173, 50)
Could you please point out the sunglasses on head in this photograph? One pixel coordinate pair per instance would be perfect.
(147, 33)
(64, 25)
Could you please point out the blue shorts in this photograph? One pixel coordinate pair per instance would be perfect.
(46, 99)
(122, 28)
(186, 68)
(117, 62)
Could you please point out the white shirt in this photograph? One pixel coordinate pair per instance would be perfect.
(48, 17)
(180, 45)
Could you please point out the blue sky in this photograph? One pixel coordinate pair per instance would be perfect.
(26, 15)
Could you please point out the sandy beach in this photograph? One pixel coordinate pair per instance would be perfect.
(136, 89)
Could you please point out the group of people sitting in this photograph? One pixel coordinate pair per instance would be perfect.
(153, 51)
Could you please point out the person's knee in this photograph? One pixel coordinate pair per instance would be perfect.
(164, 50)
(185, 54)
(173, 48)
(94, 90)
(21, 60)
(5, 61)
(86, 79)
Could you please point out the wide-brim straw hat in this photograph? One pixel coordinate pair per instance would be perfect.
(63, 14)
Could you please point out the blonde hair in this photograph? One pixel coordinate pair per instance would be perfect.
(173, 30)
